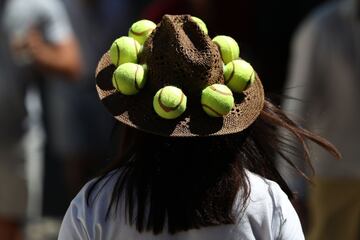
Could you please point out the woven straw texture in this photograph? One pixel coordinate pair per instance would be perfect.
(178, 53)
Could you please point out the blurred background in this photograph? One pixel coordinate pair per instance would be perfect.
(55, 134)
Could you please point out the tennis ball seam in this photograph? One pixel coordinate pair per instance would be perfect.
(116, 83)
(136, 48)
(212, 110)
(219, 91)
(228, 46)
(137, 87)
(231, 74)
(145, 32)
(248, 82)
(217, 101)
(166, 108)
(118, 53)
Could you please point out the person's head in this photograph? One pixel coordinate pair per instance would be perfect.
(187, 172)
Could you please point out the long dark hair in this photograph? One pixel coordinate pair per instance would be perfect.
(187, 183)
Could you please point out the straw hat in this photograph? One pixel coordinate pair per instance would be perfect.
(178, 53)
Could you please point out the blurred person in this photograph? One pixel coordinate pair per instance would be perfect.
(195, 176)
(80, 127)
(36, 41)
(71, 152)
(324, 79)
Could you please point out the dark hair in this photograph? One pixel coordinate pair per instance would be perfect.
(187, 183)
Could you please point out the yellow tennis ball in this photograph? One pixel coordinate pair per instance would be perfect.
(200, 23)
(124, 50)
(228, 47)
(169, 102)
(141, 30)
(217, 100)
(238, 75)
(129, 78)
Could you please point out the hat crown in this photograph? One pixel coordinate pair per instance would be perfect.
(179, 53)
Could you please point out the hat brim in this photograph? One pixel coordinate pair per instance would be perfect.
(137, 110)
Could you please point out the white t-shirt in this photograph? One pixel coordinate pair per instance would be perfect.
(268, 215)
(16, 19)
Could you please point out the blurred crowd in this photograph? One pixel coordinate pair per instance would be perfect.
(55, 134)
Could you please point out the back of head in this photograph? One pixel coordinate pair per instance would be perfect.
(182, 170)
(181, 180)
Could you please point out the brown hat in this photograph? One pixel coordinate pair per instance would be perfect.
(180, 54)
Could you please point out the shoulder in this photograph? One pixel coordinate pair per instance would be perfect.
(96, 190)
(269, 212)
(95, 196)
(259, 183)
(265, 191)
(268, 193)
(89, 206)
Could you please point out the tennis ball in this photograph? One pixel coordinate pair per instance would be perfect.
(200, 23)
(217, 100)
(228, 47)
(129, 78)
(238, 75)
(141, 30)
(123, 50)
(169, 102)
